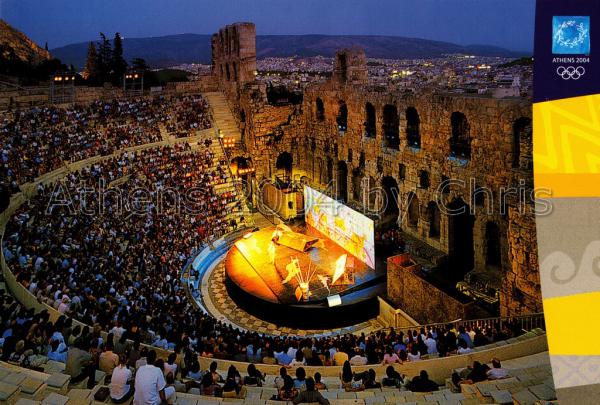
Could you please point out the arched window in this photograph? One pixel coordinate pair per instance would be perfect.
(319, 109)
(413, 210)
(433, 216)
(460, 142)
(342, 118)
(370, 121)
(413, 136)
(391, 126)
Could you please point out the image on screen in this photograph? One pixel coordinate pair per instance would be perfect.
(350, 229)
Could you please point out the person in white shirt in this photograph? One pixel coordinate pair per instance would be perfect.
(120, 389)
(170, 365)
(497, 372)
(414, 354)
(463, 347)
(358, 359)
(298, 360)
(150, 385)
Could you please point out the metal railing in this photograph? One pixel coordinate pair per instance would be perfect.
(526, 322)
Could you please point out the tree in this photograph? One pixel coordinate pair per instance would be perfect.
(118, 64)
(46, 46)
(139, 64)
(104, 58)
(90, 72)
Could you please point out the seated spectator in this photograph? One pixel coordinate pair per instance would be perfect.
(208, 386)
(310, 395)
(194, 371)
(298, 360)
(414, 354)
(108, 360)
(358, 359)
(390, 357)
(120, 383)
(431, 344)
(269, 358)
(150, 385)
(471, 375)
(279, 380)
(287, 392)
(422, 383)
(497, 372)
(370, 380)
(80, 364)
(347, 376)
(339, 358)
(170, 366)
(392, 378)
(463, 347)
(233, 387)
(217, 379)
(254, 378)
(300, 380)
(58, 351)
(319, 386)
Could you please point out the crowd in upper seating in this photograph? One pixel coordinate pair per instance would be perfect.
(41, 139)
(189, 114)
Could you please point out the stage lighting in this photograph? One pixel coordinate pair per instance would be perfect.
(334, 300)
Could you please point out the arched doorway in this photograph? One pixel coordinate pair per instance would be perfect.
(433, 216)
(390, 187)
(319, 109)
(370, 121)
(342, 118)
(460, 142)
(285, 163)
(492, 245)
(460, 238)
(413, 210)
(413, 135)
(391, 127)
(342, 181)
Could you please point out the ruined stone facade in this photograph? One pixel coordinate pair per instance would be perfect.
(234, 56)
(453, 170)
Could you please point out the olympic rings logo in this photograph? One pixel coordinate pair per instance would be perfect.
(570, 72)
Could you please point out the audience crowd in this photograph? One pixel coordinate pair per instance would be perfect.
(106, 244)
(131, 369)
(41, 139)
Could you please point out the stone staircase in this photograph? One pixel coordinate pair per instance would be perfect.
(223, 119)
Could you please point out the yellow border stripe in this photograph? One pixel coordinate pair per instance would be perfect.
(567, 185)
(569, 320)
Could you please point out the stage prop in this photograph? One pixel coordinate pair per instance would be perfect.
(301, 278)
(351, 230)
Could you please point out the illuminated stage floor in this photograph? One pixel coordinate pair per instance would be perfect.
(255, 283)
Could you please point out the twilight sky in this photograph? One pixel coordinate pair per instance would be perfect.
(506, 23)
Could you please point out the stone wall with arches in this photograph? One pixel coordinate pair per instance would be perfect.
(438, 148)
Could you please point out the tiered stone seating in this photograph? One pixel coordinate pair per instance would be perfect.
(526, 386)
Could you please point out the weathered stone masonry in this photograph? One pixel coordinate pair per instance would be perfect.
(417, 141)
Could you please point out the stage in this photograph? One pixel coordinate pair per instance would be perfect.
(259, 279)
